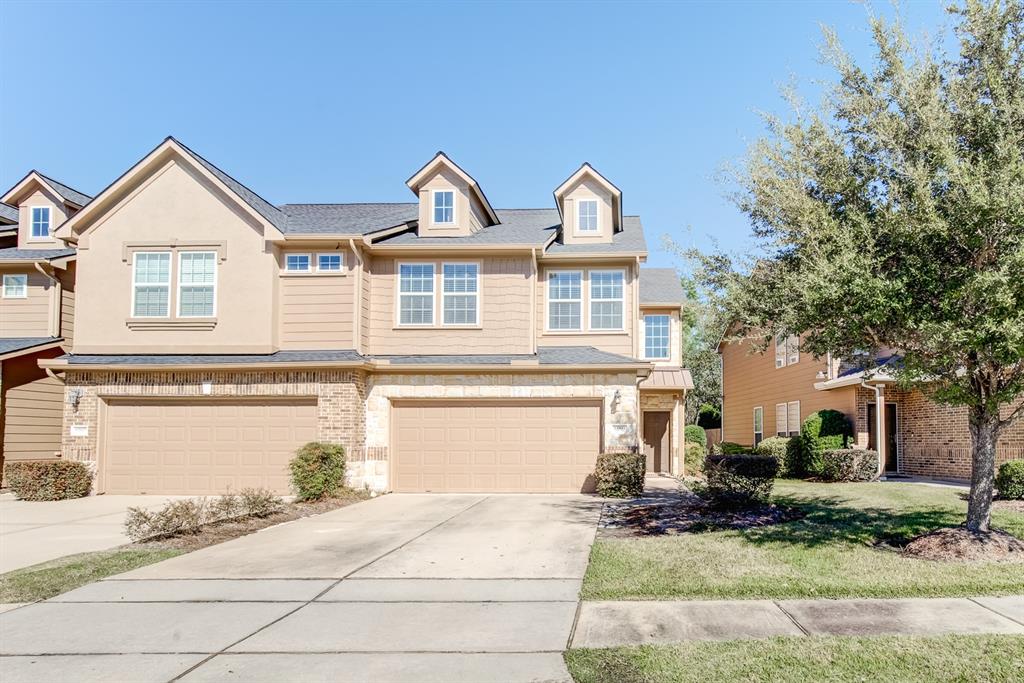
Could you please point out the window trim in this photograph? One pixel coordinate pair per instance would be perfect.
(309, 262)
(399, 294)
(24, 286)
(433, 207)
(597, 216)
(548, 300)
(789, 418)
(341, 264)
(668, 348)
(787, 352)
(32, 237)
(135, 285)
(479, 288)
(758, 435)
(785, 424)
(179, 285)
(591, 300)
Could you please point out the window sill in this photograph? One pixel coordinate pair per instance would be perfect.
(334, 273)
(157, 324)
(437, 327)
(577, 333)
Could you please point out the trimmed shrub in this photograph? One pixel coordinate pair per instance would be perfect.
(694, 456)
(849, 464)
(774, 446)
(794, 458)
(1010, 480)
(48, 479)
(709, 417)
(189, 516)
(730, 448)
(695, 434)
(259, 502)
(318, 470)
(738, 481)
(620, 475)
(825, 430)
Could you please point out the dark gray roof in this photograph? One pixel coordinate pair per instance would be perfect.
(15, 254)
(347, 219)
(660, 285)
(529, 227)
(67, 193)
(12, 344)
(8, 214)
(9, 229)
(628, 240)
(546, 355)
(215, 359)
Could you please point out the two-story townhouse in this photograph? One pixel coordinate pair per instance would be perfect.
(769, 393)
(37, 305)
(447, 345)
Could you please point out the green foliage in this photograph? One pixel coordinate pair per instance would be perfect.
(850, 464)
(694, 457)
(825, 430)
(775, 447)
(794, 461)
(620, 475)
(1010, 480)
(730, 448)
(709, 416)
(738, 481)
(47, 479)
(695, 434)
(318, 470)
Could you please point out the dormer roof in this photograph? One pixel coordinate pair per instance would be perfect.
(8, 214)
(586, 170)
(34, 179)
(443, 160)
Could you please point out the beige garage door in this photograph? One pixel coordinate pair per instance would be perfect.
(203, 447)
(500, 446)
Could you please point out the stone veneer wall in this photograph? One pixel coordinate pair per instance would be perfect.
(662, 401)
(340, 394)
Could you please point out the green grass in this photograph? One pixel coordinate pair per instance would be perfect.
(799, 660)
(45, 580)
(827, 554)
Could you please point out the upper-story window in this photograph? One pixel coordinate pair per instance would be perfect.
(151, 284)
(606, 299)
(40, 222)
(444, 206)
(565, 300)
(416, 294)
(460, 293)
(327, 263)
(15, 286)
(197, 284)
(656, 336)
(587, 215)
(787, 350)
(297, 263)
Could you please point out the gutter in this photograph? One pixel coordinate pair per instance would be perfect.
(879, 425)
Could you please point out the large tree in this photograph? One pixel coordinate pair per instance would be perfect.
(892, 215)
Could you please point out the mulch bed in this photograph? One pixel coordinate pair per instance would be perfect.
(213, 534)
(957, 544)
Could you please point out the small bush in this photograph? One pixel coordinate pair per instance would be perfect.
(825, 430)
(774, 446)
(1010, 480)
(227, 506)
(695, 434)
(709, 417)
(694, 456)
(730, 448)
(318, 470)
(738, 481)
(260, 502)
(620, 475)
(849, 464)
(190, 515)
(48, 479)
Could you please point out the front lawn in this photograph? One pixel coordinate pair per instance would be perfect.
(830, 553)
(781, 660)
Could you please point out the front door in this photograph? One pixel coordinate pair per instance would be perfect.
(656, 440)
(891, 462)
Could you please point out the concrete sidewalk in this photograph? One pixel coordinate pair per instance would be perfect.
(614, 623)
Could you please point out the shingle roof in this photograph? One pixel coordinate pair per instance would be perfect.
(529, 227)
(9, 229)
(67, 193)
(8, 213)
(629, 240)
(214, 359)
(13, 344)
(660, 285)
(15, 254)
(347, 219)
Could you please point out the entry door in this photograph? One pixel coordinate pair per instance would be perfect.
(656, 440)
(891, 462)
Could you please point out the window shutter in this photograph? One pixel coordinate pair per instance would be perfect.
(794, 417)
(781, 425)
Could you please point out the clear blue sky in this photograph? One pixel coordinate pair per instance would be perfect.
(341, 102)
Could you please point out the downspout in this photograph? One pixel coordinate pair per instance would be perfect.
(535, 282)
(879, 424)
(357, 299)
(636, 308)
(55, 296)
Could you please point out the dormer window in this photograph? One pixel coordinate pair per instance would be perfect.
(444, 207)
(587, 219)
(40, 222)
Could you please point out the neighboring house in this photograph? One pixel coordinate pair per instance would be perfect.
(37, 305)
(770, 393)
(447, 345)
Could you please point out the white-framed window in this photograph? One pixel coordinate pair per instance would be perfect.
(328, 263)
(444, 206)
(787, 350)
(586, 215)
(794, 418)
(606, 299)
(151, 284)
(460, 293)
(197, 284)
(565, 300)
(16, 286)
(297, 263)
(758, 424)
(657, 336)
(787, 418)
(416, 294)
(40, 222)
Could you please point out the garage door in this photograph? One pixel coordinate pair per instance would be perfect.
(203, 447)
(501, 446)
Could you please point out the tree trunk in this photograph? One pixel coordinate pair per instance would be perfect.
(984, 426)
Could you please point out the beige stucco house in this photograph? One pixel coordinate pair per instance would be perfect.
(447, 345)
(37, 310)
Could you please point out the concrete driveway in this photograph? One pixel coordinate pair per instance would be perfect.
(400, 588)
(33, 532)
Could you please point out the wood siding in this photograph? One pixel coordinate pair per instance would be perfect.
(316, 310)
(67, 302)
(31, 409)
(28, 317)
(613, 342)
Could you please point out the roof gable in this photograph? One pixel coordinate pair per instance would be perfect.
(588, 171)
(441, 160)
(34, 179)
